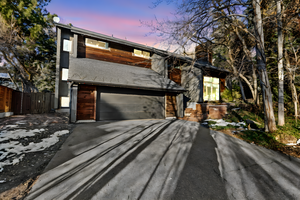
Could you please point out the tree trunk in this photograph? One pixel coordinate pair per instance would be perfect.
(255, 88)
(248, 83)
(242, 91)
(270, 124)
(292, 85)
(280, 67)
(247, 52)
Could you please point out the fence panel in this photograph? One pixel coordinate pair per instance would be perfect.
(16, 102)
(26, 107)
(32, 103)
(47, 102)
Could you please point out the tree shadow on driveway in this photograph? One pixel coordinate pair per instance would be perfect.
(138, 159)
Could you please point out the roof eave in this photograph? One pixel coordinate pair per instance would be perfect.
(127, 86)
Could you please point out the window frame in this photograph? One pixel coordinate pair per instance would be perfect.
(61, 101)
(63, 71)
(94, 46)
(142, 56)
(204, 90)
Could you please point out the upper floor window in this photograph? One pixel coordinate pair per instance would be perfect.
(141, 53)
(96, 43)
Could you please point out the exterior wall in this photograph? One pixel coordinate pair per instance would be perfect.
(199, 112)
(116, 53)
(62, 88)
(192, 81)
(175, 75)
(171, 106)
(5, 99)
(159, 64)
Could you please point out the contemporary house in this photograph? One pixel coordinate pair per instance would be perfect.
(100, 77)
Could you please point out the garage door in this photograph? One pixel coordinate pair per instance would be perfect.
(133, 105)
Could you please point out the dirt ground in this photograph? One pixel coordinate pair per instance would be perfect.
(293, 150)
(16, 180)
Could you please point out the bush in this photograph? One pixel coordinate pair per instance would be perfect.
(231, 95)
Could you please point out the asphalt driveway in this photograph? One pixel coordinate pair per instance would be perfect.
(164, 159)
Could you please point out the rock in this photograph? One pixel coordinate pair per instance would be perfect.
(251, 124)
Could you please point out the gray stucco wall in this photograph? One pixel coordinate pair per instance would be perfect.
(192, 81)
(159, 65)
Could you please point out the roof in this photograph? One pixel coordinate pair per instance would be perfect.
(84, 70)
(74, 29)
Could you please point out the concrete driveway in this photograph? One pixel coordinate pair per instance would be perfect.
(164, 159)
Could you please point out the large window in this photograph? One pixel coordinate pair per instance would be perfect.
(211, 89)
(96, 43)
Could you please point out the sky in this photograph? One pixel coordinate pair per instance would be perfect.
(120, 18)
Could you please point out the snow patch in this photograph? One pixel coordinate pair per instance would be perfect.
(10, 126)
(19, 133)
(221, 122)
(13, 152)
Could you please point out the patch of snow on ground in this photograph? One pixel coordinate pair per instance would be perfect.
(13, 152)
(221, 122)
(19, 133)
(10, 126)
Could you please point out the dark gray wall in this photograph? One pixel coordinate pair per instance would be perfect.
(192, 81)
(158, 64)
(62, 87)
(120, 103)
(73, 103)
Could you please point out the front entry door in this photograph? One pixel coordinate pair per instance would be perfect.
(86, 102)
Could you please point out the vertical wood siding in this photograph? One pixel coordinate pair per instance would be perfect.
(5, 99)
(117, 53)
(171, 106)
(175, 75)
(86, 103)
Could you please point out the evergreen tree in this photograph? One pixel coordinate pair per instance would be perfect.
(28, 43)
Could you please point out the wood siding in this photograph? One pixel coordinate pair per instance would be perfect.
(222, 84)
(86, 103)
(5, 99)
(171, 106)
(117, 53)
(175, 75)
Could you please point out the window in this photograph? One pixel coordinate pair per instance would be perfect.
(141, 53)
(64, 102)
(211, 88)
(64, 76)
(95, 43)
(67, 46)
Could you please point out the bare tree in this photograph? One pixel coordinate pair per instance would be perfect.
(195, 21)
(280, 66)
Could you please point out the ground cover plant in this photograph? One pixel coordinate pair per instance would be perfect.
(280, 140)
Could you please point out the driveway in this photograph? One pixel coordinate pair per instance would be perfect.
(164, 159)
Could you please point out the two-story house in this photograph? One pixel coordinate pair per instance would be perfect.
(100, 77)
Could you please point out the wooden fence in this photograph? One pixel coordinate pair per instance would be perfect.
(32, 103)
(5, 99)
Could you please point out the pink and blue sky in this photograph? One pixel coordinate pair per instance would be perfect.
(120, 18)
